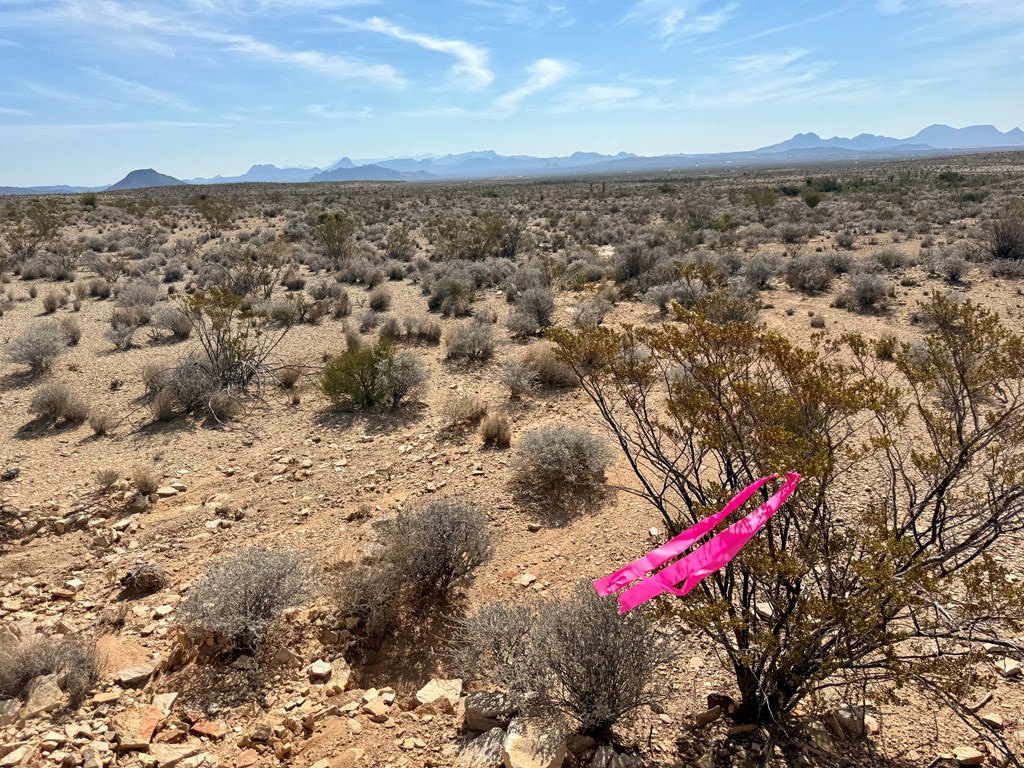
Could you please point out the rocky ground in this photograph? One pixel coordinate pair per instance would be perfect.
(293, 474)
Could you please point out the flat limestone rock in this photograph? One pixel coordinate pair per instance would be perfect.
(440, 689)
(483, 752)
(528, 745)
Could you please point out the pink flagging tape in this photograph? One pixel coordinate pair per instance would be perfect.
(702, 561)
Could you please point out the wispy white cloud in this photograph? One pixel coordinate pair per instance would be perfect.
(140, 91)
(542, 74)
(604, 98)
(532, 13)
(43, 132)
(890, 7)
(328, 113)
(471, 60)
(122, 17)
(675, 20)
(59, 94)
(14, 111)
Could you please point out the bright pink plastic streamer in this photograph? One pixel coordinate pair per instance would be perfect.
(702, 561)
(674, 546)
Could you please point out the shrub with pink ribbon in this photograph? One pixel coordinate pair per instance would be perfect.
(702, 561)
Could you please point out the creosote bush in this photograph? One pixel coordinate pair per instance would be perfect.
(901, 594)
(372, 376)
(572, 658)
(241, 598)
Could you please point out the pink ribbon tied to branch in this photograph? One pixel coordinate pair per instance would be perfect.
(702, 561)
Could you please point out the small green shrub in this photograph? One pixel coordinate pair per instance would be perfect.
(372, 376)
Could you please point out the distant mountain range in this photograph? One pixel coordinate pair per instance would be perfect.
(935, 140)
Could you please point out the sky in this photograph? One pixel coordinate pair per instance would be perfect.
(91, 89)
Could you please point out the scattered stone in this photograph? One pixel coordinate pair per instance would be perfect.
(483, 752)
(247, 759)
(968, 756)
(9, 711)
(527, 746)
(704, 719)
(138, 675)
(21, 756)
(168, 755)
(319, 671)
(486, 710)
(44, 695)
(440, 689)
(166, 491)
(993, 721)
(1008, 668)
(347, 759)
(135, 728)
(209, 729)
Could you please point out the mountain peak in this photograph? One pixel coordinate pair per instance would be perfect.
(143, 178)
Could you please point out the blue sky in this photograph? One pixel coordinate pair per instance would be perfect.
(90, 89)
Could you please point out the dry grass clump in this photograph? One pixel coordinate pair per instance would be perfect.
(145, 479)
(58, 401)
(549, 370)
(865, 292)
(72, 658)
(496, 431)
(464, 411)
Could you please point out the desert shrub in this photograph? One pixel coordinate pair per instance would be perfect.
(954, 268)
(51, 302)
(838, 263)
(71, 657)
(57, 401)
(172, 320)
(138, 294)
(333, 232)
(164, 406)
(124, 323)
(590, 312)
(102, 422)
(520, 378)
(422, 329)
(324, 290)
(452, 291)
(379, 299)
(425, 553)
(945, 462)
(686, 292)
(292, 280)
(569, 658)
(100, 288)
(105, 478)
(818, 322)
(146, 479)
(38, 346)
(845, 239)
(496, 430)
(372, 376)
(865, 291)
(759, 270)
(465, 410)
(243, 597)
(808, 274)
(550, 371)
(342, 306)
(891, 259)
(532, 311)
(1004, 237)
(72, 330)
(886, 347)
(560, 459)
(470, 340)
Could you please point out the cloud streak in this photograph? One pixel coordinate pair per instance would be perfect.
(471, 60)
(139, 91)
(542, 75)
